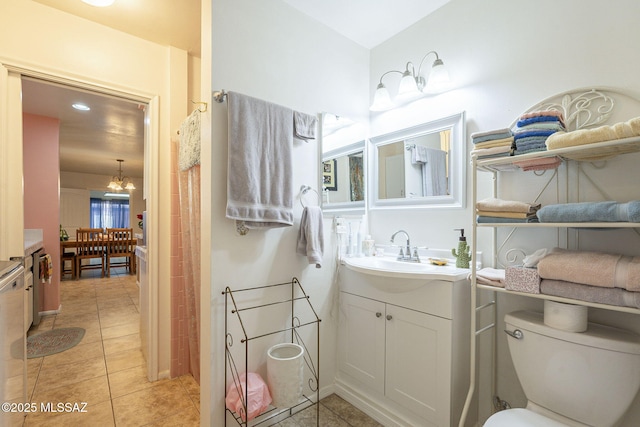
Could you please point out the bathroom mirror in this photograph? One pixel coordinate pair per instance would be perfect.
(342, 172)
(420, 166)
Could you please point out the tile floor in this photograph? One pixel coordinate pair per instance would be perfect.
(107, 369)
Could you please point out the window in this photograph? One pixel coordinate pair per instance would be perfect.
(109, 213)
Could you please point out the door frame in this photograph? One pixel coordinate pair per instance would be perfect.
(11, 194)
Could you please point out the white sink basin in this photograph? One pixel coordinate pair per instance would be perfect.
(387, 266)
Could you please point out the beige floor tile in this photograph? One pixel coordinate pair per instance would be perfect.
(52, 376)
(80, 306)
(186, 418)
(91, 333)
(80, 352)
(151, 405)
(117, 320)
(123, 343)
(33, 370)
(348, 412)
(82, 320)
(119, 302)
(130, 380)
(91, 391)
(120, 330)
(124, 360)
(99, 415)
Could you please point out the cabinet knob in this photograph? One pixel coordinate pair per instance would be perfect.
(378, 314)
(389, 317)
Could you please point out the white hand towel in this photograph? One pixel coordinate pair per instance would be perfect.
(259, 176)
(311, 236)
(304, 126)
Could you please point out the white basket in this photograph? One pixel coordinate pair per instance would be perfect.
(285, 374)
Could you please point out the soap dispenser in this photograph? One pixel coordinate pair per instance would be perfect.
(463, 255)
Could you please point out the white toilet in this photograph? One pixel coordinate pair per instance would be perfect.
(569, 378)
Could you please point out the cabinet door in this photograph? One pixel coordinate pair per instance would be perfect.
(361, 340)
(418, 365)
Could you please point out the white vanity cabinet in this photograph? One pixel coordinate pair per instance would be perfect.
(403, 348)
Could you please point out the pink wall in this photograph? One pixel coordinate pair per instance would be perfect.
(41, 194)
(179, 327)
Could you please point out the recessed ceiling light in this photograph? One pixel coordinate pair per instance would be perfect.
(81, 107)
(99, 3)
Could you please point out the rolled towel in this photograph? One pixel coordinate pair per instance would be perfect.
(609, 211)
(493, 204)
(626, 129)
(592, 268)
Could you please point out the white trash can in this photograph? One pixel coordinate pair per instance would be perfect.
(285, 374)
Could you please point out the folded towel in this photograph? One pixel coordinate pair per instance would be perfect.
(542, 163)
(311, 236)
(481, 219)
(627, 129)
(490, 133)
(493, 204)
(609, 211)
(532, 132)
(522, 279)
(518, 215)
(495, 143)
(486, 152)
(555, 126)
(592, 268)
(491, 276)
(539, 120)
(189, 149)
(611, 296)
(477, 137)
(260, 171)
(546, 113)
(304, 126)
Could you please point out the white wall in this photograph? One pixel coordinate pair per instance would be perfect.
(504, 57)
(45, 40)
(270, 51)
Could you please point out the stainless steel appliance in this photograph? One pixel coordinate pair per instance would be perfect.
(13, 341)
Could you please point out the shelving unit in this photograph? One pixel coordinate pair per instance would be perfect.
(301, 316)
(597, 107)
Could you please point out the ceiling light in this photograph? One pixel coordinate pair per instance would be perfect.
(119, 182)
(119, 195)
(81, 107)
(412, 84)
(99, 3)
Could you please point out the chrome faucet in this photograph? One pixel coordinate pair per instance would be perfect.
(406, 254)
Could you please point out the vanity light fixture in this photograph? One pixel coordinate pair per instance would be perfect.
(99, 3)
(412, 84)
(120, 182)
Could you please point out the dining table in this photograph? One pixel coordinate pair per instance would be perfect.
(73, 244)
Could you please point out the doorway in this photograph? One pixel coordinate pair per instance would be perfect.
(123, 126)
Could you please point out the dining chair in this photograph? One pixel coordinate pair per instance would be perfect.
(90, 245)
(120, 245)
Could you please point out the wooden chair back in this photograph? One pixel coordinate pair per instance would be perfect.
(120, 241)
(89, 242)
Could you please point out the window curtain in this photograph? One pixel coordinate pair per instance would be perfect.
(109, 213)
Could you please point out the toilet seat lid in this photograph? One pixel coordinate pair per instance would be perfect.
(520, 417)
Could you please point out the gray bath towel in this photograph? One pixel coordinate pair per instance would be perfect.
(259, 176)
(591, 212)
(311, 236)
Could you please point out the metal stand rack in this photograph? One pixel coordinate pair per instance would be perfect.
(302, 314)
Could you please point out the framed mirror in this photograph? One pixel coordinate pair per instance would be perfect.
(420, 166)
(343, 168)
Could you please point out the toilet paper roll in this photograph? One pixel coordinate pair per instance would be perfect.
(566, 317)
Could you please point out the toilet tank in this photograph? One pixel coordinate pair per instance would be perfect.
(591, 377)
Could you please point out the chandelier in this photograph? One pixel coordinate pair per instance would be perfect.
(120, 182)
